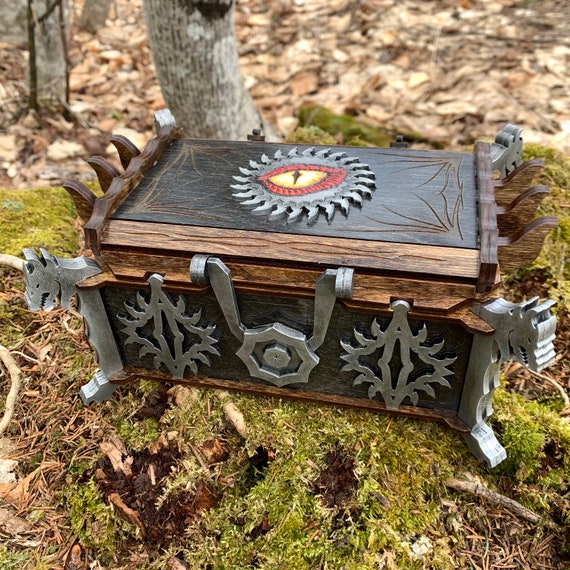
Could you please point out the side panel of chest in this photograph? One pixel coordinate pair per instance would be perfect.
(423, 350)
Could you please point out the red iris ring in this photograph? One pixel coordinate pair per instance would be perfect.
(334, 176)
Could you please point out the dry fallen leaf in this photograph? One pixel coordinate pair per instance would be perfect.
(7, 467)
(116, 451)
(13, 525)
(418, 78)
(304, 83)
(17, 493)
(129, 514)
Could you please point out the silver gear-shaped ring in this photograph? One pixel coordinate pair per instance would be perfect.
(303, 184)
(277, 353)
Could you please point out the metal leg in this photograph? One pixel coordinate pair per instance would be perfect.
(98, 389)
(98, 331)
(49, 280)
(481, 381)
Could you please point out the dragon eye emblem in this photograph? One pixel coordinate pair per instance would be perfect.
(300, 179)
(305, 183)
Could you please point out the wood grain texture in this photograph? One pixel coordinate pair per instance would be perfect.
(123, 184)
(524, 247)
(512, 218)
(371, 293)
(488, 232)
(125, 148)
(420, 197)
(517, 182)
(104, 170)
(444, 263)
(447, 417)
(83, 198)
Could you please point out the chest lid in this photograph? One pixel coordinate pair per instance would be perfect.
(388, 211)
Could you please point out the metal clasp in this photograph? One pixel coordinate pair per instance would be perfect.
(275, 352)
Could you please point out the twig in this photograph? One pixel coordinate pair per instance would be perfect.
(510, 371)
(15, 377)
(129, 514)
(486, 493)
(11, 261)
(199, 457)
(233, 414)
(554, 383)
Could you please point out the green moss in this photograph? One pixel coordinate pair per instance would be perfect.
(137, 434)
(10, 560)
(351, 131)
(42, 217)
(557, 166)
(397, 500)
(93, 522)
(526, 428)
(311, 135)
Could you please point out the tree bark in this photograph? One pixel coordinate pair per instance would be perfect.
(94, 15)
(48, 20)
(13, 21)
(194, 48)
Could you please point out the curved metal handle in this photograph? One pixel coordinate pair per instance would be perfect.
(275, 352)
(204, 270)
(331, 284)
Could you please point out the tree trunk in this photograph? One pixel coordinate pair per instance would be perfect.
(94, 15)
(194, 48)
(49, 25)
(13, 22)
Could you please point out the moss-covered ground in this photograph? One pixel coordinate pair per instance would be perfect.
(309, 487)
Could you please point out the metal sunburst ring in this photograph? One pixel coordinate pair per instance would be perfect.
(303, 184)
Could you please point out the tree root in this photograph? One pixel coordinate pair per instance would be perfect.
(11, 261)
(480, 490)
(15, 376)
(7, 359)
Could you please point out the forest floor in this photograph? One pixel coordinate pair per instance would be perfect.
(452, 71)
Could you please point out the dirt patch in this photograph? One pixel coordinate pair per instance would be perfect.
(553, 457)
(135, 483)
(336, 486)
(254, 470)
(154, 405)
(534, 283)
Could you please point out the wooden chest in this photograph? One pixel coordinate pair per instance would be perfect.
(351, 276)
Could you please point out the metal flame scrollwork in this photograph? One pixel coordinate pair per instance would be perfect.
(407, 385)
(162, 328)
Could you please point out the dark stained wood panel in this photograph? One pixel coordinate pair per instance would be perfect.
(450, 264)
(420, 197)
(328, 379)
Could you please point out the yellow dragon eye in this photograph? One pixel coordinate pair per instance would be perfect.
(296, 179)
(300, 179)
